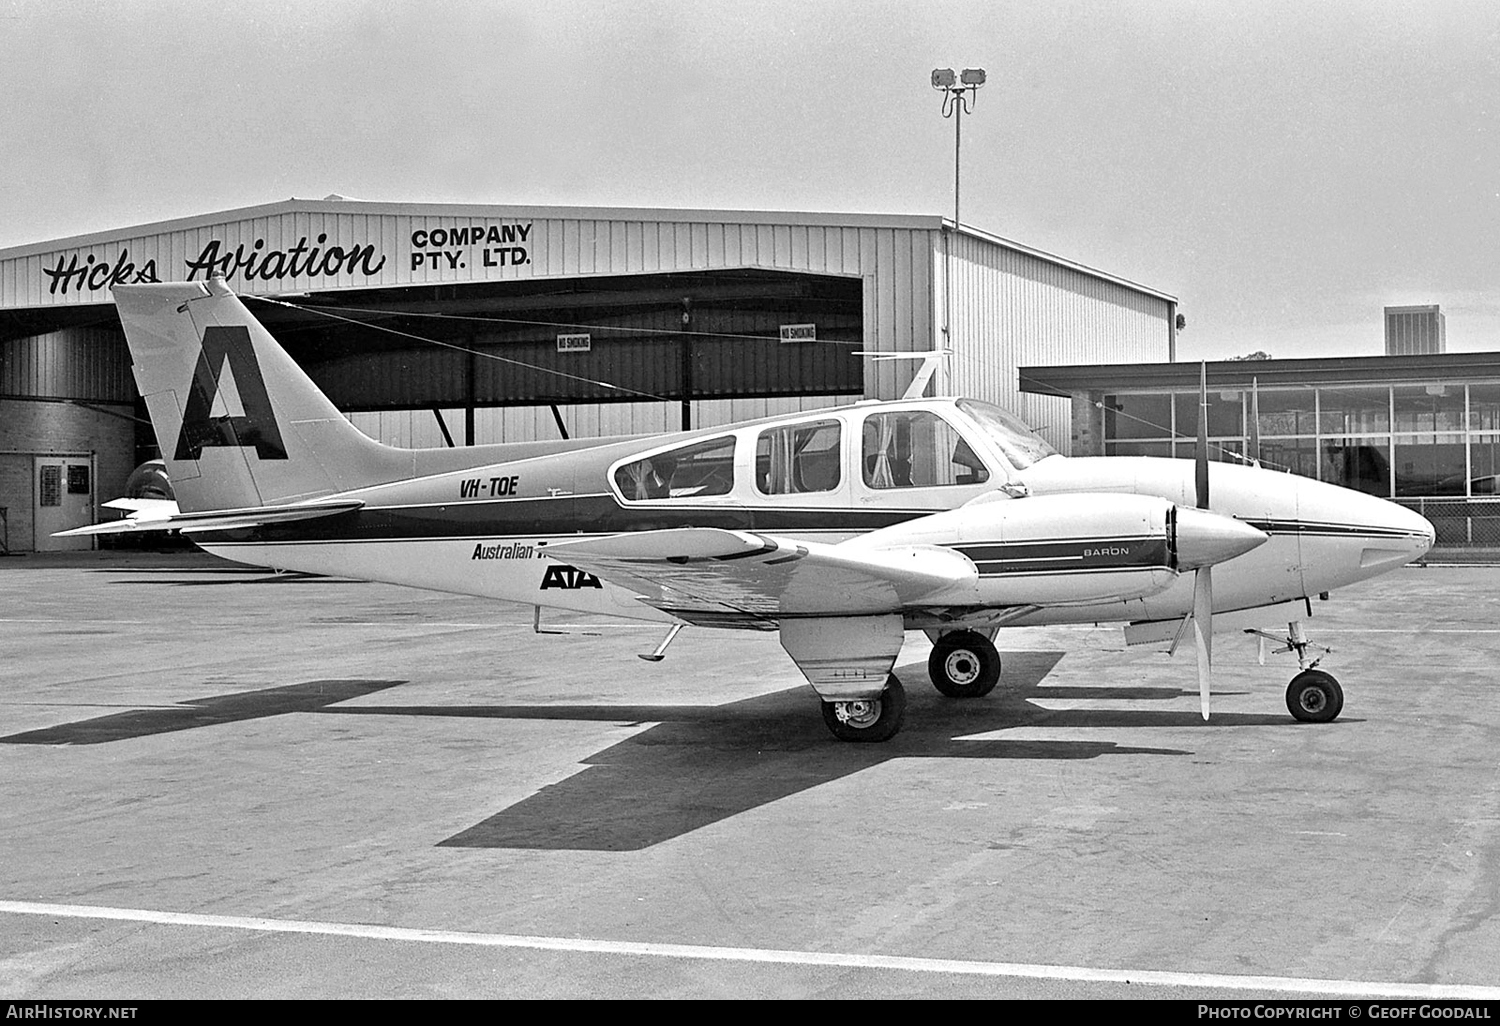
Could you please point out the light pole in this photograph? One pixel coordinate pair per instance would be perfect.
(958, 99)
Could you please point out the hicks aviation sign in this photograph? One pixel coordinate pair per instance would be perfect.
(458, 247)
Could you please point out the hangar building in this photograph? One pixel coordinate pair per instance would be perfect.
(434, 324)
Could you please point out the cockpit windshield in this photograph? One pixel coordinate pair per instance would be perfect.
(1020, 445)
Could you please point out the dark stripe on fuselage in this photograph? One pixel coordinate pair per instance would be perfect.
(1330, 530)
(549, 517)
(1069, 556)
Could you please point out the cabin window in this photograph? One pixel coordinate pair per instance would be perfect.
(692, 471)
(917, 449)
(797, 458)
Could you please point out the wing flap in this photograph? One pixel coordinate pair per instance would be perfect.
(690, 571)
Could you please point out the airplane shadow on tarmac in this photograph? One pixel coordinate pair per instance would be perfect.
(309, 696)
(698, 765)
(236, 576)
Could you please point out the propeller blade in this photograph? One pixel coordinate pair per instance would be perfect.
(1200, 461)
(1203, 581)
(1203, 632)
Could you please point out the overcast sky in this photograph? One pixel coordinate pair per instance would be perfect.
(1284, 168)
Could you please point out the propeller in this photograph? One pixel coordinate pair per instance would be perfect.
(1203, 581)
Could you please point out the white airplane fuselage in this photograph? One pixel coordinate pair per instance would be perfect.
(486, 530)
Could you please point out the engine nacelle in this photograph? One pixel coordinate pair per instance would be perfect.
(1076, 549)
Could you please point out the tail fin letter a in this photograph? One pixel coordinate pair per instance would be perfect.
(227, 351)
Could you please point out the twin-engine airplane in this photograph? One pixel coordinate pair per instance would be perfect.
(841, 529)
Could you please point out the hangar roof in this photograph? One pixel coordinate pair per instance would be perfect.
(341, 205)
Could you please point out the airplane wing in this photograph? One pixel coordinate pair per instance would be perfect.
(166, 518)
(748, 578)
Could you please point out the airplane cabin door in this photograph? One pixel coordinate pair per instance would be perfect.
(62, 499)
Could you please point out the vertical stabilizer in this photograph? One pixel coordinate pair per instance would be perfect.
(238, 422)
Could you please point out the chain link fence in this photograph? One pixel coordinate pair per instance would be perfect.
(1461, 523)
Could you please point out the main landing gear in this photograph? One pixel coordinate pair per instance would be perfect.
(868, 719)
(964, 664)
(1313, 696)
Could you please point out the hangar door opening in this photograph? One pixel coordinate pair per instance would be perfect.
(62, 499)
(676, 342)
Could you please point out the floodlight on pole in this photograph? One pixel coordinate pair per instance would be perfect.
(958, 99)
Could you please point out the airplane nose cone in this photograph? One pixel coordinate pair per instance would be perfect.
(1360, 535)
(1412, 536)
(1205, 538)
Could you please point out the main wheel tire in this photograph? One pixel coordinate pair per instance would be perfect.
(868, 719)
(1314, 697)
(964, 664)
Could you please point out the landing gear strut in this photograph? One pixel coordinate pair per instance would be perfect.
(1313, 696)
(868, 719)
(964, 664)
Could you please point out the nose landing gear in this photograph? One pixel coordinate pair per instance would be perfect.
(1313, 696)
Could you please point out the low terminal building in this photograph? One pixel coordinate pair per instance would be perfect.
(446, 324)
(1422, 430)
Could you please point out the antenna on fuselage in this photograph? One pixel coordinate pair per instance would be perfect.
(931, 361)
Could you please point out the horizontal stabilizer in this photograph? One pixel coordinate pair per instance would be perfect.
(215, 520)
(149, 509)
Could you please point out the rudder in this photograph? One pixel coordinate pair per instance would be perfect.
(238, 422)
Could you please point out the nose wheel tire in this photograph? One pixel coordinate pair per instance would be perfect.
(964, 664)
(868, 719)
(1314, 697)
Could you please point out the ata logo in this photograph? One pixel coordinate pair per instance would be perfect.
(560, 575)
(227, 351)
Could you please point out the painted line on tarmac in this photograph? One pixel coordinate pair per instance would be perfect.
(578, 945)
(1409, 630)
(73, 619)
(383, 624)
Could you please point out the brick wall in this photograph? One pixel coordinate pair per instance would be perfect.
(29, 427)
(1088, 424)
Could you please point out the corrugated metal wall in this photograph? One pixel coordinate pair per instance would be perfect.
(1011, 309)
(372, 249)
(77, 363)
